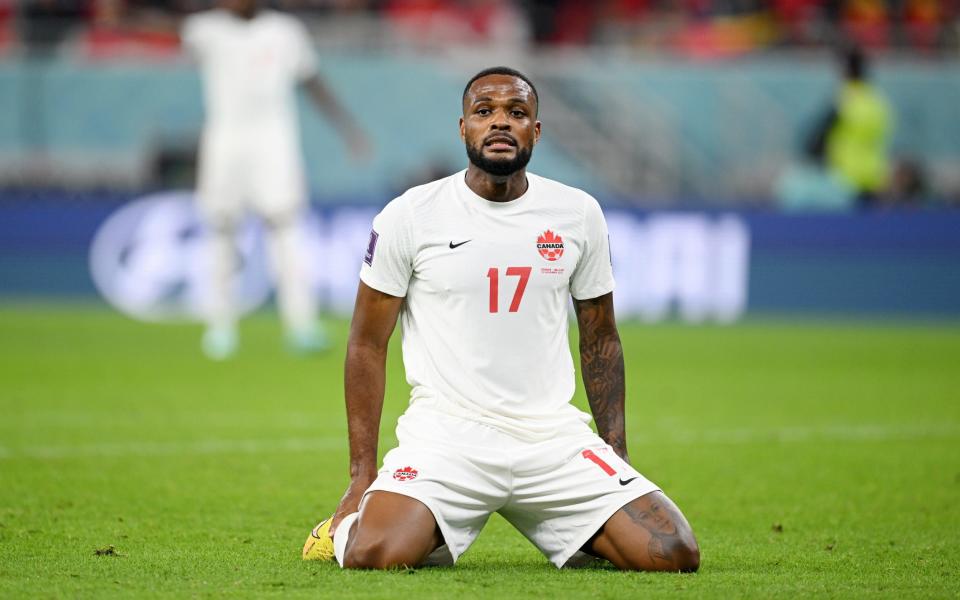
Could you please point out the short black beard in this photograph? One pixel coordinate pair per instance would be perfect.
(498, 168)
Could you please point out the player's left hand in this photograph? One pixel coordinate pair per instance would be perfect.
(359, 146)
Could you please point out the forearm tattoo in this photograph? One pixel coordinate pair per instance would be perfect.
(660, 520)
(601, 363)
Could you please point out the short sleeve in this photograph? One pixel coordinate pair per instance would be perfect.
(388, 259)
(305, 56)
(593, 276)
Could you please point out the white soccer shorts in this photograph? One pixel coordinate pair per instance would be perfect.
(557, 493)
(235, 177)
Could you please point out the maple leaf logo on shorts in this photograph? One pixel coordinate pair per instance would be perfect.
(550, 245)
(405, 474)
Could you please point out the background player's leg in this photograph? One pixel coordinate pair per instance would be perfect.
(648, 534)
(220, 338)
(393, 530)
(295, 299)
(221, 189)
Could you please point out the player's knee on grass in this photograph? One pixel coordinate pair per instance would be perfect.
(674, 554)
(370, 552)
(649, 534)
(688, 556)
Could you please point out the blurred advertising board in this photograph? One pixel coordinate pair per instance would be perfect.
(146, 257)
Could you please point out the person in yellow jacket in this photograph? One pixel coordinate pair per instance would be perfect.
(855, 138)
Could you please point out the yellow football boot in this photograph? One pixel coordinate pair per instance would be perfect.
(319, 544)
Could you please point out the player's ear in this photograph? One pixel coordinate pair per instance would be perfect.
(463, 134)
(536, 132)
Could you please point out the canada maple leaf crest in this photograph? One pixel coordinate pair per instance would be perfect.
(405, 474)
(550, 245)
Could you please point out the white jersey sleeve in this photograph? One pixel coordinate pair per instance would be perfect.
(593, 276)
(305, 60)
(388, 261)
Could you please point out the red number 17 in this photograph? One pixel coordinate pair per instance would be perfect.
(493, 274)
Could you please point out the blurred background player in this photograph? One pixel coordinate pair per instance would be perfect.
(251, 62)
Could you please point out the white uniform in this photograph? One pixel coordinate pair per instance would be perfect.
(490, 426)
(250, 151)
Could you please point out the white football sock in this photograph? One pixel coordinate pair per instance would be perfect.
(341, 536)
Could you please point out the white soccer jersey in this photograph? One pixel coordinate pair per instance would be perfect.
(250, 149)
(250, 68)
(487, 286)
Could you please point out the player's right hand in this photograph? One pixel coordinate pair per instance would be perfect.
(350, 502)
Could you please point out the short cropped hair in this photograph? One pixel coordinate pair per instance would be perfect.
(501, 71)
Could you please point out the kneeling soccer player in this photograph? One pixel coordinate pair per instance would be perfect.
(479, 267)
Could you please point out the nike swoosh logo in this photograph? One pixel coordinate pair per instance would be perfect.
(452, 245)
(626, 481)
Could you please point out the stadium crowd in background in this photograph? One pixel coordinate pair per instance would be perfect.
(701, 28)
(666, 153)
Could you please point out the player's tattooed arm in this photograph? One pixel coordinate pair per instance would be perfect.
(601, 364)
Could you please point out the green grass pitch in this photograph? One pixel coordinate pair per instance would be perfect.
(812, 459)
